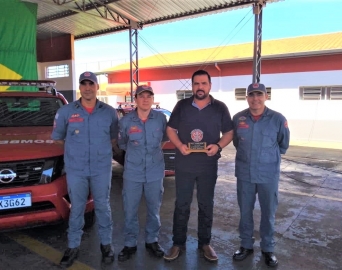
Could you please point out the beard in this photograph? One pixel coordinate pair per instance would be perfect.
(204, 96)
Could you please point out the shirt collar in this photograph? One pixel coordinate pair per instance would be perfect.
(135, 116)
(193, 103)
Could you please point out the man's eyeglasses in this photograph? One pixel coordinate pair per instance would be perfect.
(256, 94)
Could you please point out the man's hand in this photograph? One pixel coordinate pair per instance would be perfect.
(183, 148)
(60, 142)
(212, 149)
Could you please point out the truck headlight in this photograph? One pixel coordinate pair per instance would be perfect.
(53, 168)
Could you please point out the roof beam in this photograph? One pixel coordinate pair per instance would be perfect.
(166, 18)
(101, 7)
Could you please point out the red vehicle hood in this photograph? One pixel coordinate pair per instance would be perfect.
(22, 143)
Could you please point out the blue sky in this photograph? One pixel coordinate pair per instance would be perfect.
(288, 18)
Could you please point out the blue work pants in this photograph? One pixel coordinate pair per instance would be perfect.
(131, 194)
(78, 189)
(268, 200)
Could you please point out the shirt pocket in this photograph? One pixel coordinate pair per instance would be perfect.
(268, 155)
(134, 159)
(242, 135)
(136, 139)
(76, 132)
(104, 126)
(157, 136)
(269, 137)
(158, 157)
(243, 149)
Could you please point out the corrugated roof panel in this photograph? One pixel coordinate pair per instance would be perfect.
(60, 17)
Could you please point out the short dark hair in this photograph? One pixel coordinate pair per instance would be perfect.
(200, 72)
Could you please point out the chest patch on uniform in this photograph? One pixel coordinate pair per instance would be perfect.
(243, 124)
(196, 135)
(78, 119)
(242, 118)
(75, 118)
(134, 129)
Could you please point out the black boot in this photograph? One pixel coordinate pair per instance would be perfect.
(126, 253)
(242, 253)
(107, 253)
(155, 249)
(270, 259)
(70, 255)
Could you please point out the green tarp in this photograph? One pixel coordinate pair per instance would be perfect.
(18, 57)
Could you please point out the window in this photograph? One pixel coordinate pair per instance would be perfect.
(240, 93)
(182, 94)
(334, 93)
(269, 91)
(28, 111)
(57, 71)
(128, 99)
(312, 93)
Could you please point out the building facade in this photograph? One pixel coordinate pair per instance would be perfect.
(303, 76)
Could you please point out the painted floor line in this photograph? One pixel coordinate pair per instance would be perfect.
(44, 250)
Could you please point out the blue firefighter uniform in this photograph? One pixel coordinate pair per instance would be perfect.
(88, 163)
(259, 145)
(143, 172)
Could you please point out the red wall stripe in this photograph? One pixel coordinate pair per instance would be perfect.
(268, 66)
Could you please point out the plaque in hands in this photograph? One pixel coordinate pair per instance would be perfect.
(197, 145)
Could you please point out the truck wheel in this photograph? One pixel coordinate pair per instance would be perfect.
(89, 219)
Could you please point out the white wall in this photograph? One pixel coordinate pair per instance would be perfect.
(312, 123)
(62, 84)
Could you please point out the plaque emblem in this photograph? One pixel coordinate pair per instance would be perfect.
(197, 145)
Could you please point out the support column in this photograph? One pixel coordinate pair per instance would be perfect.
(257, 11)
(134, 67)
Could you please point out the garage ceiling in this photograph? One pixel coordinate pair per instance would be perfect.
(89, 18)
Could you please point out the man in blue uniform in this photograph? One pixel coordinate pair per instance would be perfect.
(88, 128)
(142, 133)
(261, 135)
(195, 128)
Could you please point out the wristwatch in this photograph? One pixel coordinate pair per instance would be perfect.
(219, 148)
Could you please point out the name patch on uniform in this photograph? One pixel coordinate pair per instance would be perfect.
(243, 124)
(134, 129)
(242, 118)
(75, 118)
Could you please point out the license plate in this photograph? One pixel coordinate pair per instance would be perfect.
(15, 201)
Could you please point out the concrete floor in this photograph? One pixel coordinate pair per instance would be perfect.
(308, 223)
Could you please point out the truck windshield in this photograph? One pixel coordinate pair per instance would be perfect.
(28, 111)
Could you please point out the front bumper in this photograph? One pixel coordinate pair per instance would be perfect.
(50, 204)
